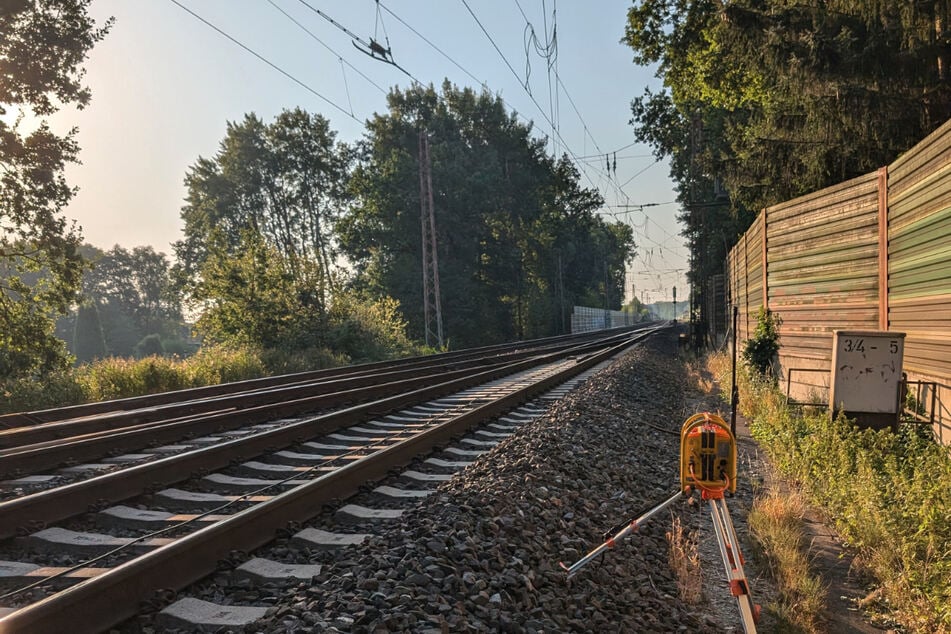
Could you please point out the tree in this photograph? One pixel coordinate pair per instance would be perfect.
(88, 342)
(150, 345)
(515, 229)
(248, 296)
(43, 45)
(138, 285)
(766, 100)
(283, 180)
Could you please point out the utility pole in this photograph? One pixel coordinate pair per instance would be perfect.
(432, 308)
(561, 294)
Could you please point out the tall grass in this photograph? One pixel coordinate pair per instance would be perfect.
(121, 378)
(776, 523)
(888, 493)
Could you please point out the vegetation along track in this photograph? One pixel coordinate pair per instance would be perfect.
(233, 492)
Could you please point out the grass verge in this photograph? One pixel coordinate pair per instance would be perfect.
(776, 523)
(684, 558)
(121, 378)
(889, 495)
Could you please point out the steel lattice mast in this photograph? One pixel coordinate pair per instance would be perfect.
(432, 308)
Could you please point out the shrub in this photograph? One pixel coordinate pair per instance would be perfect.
(151, 345)
(888, 493)
(178, 347)
(56, 389)
(88, 341)
(368, 329)
(286, 362)
(760, 350)
(223, 364)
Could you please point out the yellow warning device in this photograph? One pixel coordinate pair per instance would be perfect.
(707, 456)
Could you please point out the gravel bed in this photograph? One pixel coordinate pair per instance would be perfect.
(482, 554)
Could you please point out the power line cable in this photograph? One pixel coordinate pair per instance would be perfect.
(371, 48)
(484, 84)
(266, 61)
(600, 153)
(327, 46)
(532, 97)
(639, 173)
(481, 82)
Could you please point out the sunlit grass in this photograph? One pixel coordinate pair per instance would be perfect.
(889, 495)
(776, 523)
(114, 378)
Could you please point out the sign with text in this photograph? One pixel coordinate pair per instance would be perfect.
(866, 370)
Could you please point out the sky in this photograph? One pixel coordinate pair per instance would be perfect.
(164, 84)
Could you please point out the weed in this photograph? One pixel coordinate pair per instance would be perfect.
(776, 523)
(760, 350)
(684, 559)
(889, 495)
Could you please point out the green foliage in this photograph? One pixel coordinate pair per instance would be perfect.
(42, 49)
(366, 329)
(517, 239)
(134, 293)
(279, 361)
(766, 100)
(150, 346)
(250, 299)
(177, 347)
(889, 494)
(760, 350)
(120, 378)
(88, 342)
(282, 181)
(53, 390)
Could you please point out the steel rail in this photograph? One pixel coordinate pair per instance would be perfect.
(36, 417)
(114, 596)
(63, 502)
(33, 458)
(45, 455)
(42, 432)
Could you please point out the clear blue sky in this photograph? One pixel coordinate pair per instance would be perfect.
(164, 84)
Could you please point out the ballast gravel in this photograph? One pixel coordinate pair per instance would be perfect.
(482, 553)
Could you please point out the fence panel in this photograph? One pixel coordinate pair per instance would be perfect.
(825, 271)
(919, 263)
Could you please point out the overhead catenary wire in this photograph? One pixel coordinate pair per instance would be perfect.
(485, 86)
(601, 154)
(267, 61)
(640, 172)
(337, 106)
(351, 114)
(371, 48)
(541, 110)
(328, 47)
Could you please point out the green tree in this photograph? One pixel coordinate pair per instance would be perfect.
(88, 342)
(515, 231)
(138, 284)
(766, 100)
(150, 345)
(285, 181)
(248, 297)
(43, 45)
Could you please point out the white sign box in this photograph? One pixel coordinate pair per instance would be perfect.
(866, 370)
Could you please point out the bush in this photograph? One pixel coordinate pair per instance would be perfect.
(761, 349)
(151, 345)
(287, 362)
(888, 493)
(368, 329)
(223, 364)
(56, 389)
(178, 348)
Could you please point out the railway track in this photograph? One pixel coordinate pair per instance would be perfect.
(165, 517)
